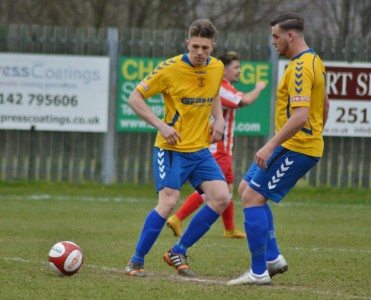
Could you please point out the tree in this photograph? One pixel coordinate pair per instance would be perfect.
(337, 17)
(344, 17)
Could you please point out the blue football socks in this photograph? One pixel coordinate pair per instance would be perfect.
(256, 226)
(152, 227)
(198, 226)
(272, 250)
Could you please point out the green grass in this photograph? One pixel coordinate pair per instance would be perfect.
(324, 235)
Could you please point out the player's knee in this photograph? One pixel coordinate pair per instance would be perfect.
(168, 199)
(165, 208)
(241, 188)
(218, 201)
(251, 198)
(223, 200)
(226, 199)
(245, 197)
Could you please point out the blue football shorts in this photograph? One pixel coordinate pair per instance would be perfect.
(171, 168)
(284, 169)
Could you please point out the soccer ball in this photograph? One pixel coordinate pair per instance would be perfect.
(65, 258)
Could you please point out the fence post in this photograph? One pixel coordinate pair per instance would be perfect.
(31, 174)
(109, 138)
(274, 63)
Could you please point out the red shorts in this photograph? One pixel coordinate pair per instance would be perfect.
(225, 161)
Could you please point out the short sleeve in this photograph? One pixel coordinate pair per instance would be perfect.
(153, 83)
(300, 84)
(230, 98)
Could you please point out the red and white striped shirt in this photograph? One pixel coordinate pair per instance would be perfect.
(231, 98)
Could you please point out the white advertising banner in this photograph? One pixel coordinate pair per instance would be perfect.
(348, 88)
(54, 92)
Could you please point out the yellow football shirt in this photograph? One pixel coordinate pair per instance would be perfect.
(303, 84)
(188, 92)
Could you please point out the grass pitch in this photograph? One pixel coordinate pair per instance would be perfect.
(324, 234)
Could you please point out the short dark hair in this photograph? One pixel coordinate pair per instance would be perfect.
(227, 57)
(202, 28)
(289, 20)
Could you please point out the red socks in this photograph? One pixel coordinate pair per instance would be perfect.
(228, 216)
(194, 201)
(191, 204)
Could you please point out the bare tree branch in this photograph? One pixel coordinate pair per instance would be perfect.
(325, 16)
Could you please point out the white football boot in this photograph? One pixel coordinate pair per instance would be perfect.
(277, 266)
(250, 278)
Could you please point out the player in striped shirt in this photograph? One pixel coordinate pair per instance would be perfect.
(232, 99)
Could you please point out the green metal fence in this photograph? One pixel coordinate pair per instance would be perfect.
(77, 157)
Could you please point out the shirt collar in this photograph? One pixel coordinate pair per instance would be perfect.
(310, 50)
(187, 61)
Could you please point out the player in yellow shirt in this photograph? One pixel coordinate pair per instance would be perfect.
(301, 113)
(190, 85)
(232, 99)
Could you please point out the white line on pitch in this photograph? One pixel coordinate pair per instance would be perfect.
(43, 197)
(209, 281)
(314, 249)
(347, 250)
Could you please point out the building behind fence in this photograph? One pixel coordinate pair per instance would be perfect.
(78, 157)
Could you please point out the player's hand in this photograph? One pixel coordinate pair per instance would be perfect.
(260, 85)
(217, 130)
(262, 156)
(170, 134)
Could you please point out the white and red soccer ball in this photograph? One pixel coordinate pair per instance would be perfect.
(65, 258)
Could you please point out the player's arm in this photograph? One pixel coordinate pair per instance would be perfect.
(250, 97)
(137, 103)
(297, 120)
(218, 124)
(326, 107)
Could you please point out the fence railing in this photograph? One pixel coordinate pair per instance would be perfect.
(78, 156)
